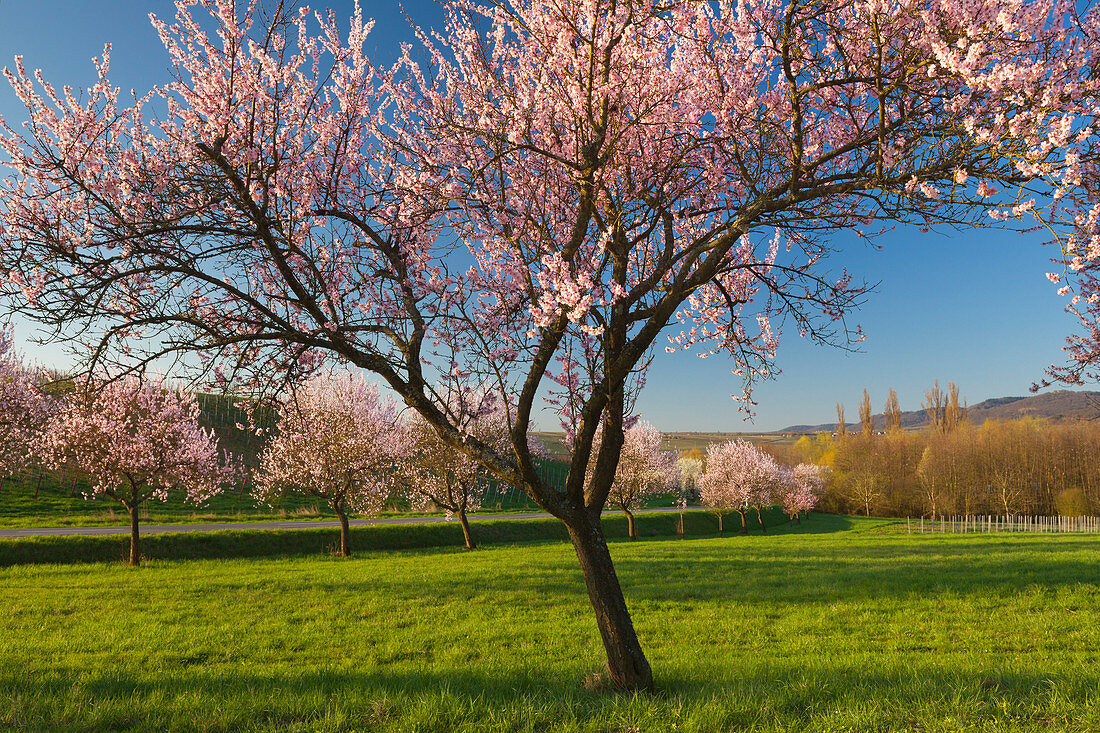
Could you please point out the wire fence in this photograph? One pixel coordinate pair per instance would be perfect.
(961, 524)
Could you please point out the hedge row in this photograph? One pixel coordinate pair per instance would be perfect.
(228, 544)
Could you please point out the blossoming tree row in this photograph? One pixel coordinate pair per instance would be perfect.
(741, 477)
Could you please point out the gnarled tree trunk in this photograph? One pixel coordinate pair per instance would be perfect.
(631, 526)
(626, 663)
(760, 518)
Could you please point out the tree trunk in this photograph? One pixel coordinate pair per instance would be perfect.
(798, 518)
(719, 521)
(631, 529)
(135, 539)
(744, 522)
(470, 544)
(345, 545)
(38, 486)
(626, 663)
(760, 518)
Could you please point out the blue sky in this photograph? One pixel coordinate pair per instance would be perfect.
(973, 308)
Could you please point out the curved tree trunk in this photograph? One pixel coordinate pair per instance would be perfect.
(470, 544)
(744, 522)
(627, 665)
(135, 539)
(345, 532)
(631, 528)
(760, 518)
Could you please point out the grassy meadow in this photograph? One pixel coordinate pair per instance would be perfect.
(832, 626)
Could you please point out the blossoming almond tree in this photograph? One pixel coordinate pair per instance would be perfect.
(800, 488)
(137, 441)
(438, 475)
(598, 170)
(739, 476)
(339, 440)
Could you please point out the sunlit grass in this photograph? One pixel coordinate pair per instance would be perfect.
(808, 630)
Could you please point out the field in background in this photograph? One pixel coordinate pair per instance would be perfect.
(555, 441)
(830, 627)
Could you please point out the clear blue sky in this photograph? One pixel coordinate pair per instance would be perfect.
(971, 308)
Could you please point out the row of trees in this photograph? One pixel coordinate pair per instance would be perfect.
(1023, 466)
(740, 476)
(337, 439)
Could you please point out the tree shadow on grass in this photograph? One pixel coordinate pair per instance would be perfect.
(738, 570)
(189, 694)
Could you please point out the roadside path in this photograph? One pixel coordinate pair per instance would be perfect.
(296, 524)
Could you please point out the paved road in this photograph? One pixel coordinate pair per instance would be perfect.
(299, 524)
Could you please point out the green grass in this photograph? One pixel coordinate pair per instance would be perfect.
(827, 627)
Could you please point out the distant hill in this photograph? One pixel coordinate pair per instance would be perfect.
(1058, 405)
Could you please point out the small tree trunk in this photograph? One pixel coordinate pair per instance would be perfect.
(627, 665)
(744, 522)
(345, 545)
(631, 528)
(798, 518)
(135, 539)
(470, 544)
(38, 486)
(760, 518)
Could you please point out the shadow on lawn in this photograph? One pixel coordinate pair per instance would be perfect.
(741, 570)
(246, 543)
(778, 694)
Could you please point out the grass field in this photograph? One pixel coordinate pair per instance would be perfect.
(833, 626)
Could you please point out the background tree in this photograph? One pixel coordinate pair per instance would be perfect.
(934, 406)
(440, 476)
(799, 491)
(136, 441)
(603, 169)
(24, 410)
(841, 425)
(892, 413)
(690, 467)
(954, 414)
(337, 439)
(866, 416)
